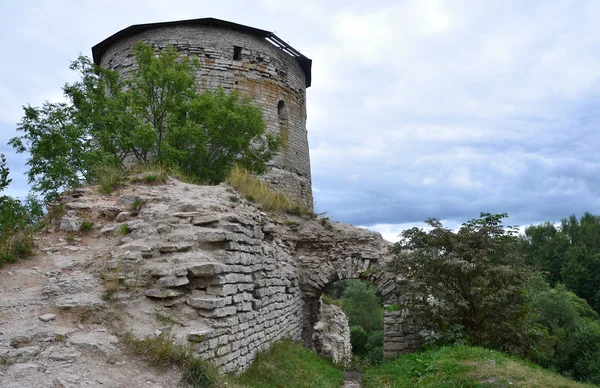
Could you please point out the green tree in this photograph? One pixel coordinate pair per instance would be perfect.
(569, 254)
(4, 180)
(571, 343)
(362, 306)
(466, 285)
(155, 115)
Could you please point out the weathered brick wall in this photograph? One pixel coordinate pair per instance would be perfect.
(273, 79)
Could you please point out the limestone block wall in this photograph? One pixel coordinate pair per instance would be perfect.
(217, 274)
(273, 79)
(331, 335)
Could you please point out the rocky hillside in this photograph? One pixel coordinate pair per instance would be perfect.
(197, 262)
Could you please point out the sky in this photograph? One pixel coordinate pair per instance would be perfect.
(417, 109)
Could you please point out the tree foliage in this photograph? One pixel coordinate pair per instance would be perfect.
(155, 115)
(571, 343)
(362, 306)
(468, 285)
(16, 219)
(569, 253)
(4, 179)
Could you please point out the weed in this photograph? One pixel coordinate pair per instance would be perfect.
(137, 205)
(109, 178)
(125, 229)
(370, 271)
(55, 211)
(70, 238)
(162, 351)
(164, 319)
(200, 373)
(329, 300)
(254, 189)
(152, 179)
(86, 225)
(234, 198)
(59, 337)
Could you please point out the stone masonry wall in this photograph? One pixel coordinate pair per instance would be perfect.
(273, 79)
(215, 273)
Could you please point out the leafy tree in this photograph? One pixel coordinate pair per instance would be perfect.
(569, 254)
(571, 343)
(155, 115)
(4, 180)
(468, 285)
(362, 306)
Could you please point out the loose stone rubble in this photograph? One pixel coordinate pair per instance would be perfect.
(218, 275)
(331, 336)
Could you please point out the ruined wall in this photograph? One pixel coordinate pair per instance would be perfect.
(273, 79)
(331, 335)
(216, 273)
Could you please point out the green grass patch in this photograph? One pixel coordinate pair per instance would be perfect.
(258, 191)
(162, 352)
(462, 366)
(289, 364)
(86, 226)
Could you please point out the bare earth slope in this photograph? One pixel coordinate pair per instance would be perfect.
(78, 347)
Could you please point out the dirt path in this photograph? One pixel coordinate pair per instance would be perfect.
(56, 330)
(352, 380)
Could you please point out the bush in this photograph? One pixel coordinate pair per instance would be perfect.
(17, 225)
(570, 340)
(475, 280)
(358, 340)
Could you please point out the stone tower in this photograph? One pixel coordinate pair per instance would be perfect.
(237, 57)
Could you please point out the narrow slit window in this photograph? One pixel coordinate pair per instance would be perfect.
(237, 53)
(282, 110)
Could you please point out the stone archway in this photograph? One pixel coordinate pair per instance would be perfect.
(353, 253)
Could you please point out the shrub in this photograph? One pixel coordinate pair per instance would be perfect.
(17, 224)
(125, 229)
(86, 225)
(358, 340)
(475, 280)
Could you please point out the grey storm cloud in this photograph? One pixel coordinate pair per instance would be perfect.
(420, 108)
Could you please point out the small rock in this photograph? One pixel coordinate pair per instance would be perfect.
(123, 216)
(47, 317)
(19, 341)
(70, 224)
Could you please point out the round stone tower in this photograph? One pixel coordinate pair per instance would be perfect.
(237, 57)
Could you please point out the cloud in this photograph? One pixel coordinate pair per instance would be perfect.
(419, 108)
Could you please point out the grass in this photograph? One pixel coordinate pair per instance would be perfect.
(329, 300)
(109, 178)
(258, 191)
(462, 366)
(152, 178)
(125, 229)
(163, 352)
(288, 364)
(86, 226)
(137, 205)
